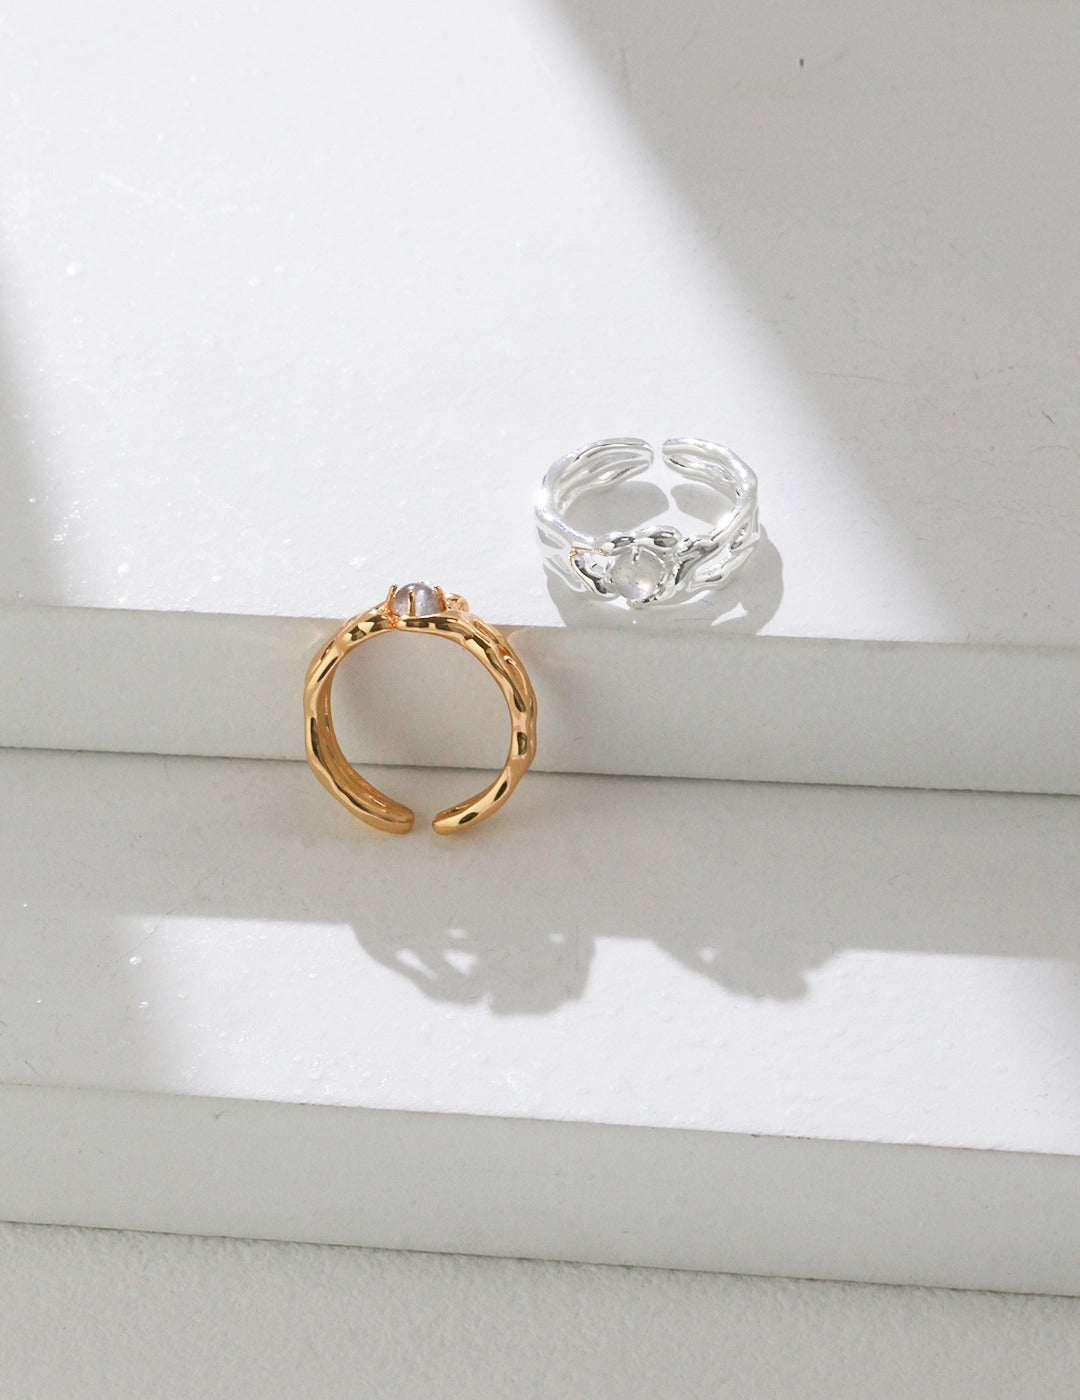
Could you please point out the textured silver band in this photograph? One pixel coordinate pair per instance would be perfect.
(659, 564)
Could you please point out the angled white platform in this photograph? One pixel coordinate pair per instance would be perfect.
(260, 358)
(668, 703)
(813, 1031)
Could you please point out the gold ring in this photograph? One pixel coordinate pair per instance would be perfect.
(417, 607)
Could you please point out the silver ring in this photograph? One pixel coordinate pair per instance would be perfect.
(658, 564)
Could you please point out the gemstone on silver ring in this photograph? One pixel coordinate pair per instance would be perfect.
(658, 564)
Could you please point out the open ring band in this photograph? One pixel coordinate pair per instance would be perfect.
(658, 564)
(417, 607)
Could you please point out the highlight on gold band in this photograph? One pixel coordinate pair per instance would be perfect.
(417, 607)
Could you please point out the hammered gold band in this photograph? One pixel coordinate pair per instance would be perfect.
(417, 608)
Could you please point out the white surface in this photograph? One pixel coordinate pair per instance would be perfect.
(292, 308)
(793, 973)
(523, 1187)
(308, 309)
(892, 966)
(617, 701)
(125, 1316)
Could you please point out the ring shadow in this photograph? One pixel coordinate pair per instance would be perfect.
(751, 887)
(725, 882)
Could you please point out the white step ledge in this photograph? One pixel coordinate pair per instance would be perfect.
(815, 1031)
(682, 702)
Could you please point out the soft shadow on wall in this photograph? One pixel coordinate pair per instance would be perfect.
(749, 886)
(896, 193)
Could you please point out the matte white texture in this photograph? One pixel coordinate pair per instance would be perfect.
(893, 966)
(133, 1315)
(307, 309)
(531, 1188)
(784, 1001)
(295, 307)
(617, 701)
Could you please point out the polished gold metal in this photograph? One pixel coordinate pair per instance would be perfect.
(447, 616)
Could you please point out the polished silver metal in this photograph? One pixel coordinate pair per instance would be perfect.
(654, 564)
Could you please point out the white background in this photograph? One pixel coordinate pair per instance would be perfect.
(294, 306)
(94, 1314)
(839, 964)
